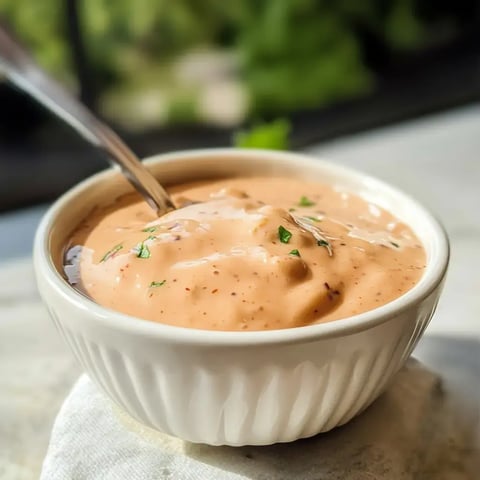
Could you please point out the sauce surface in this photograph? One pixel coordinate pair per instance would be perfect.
(259, 253)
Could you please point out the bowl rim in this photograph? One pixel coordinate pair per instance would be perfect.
(47, 272)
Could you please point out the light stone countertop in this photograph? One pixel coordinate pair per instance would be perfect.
(436, 159)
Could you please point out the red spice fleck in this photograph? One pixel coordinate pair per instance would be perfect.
(151, 295)
(187, 289)
(327, 286)
(233, 294)
(215, 290)
(216, 272)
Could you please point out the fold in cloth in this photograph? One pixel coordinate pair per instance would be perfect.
(411, 431)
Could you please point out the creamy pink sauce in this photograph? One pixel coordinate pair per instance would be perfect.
(258, 253)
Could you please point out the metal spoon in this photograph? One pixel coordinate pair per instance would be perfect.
(20, 68)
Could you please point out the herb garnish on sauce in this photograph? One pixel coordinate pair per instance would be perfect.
(305, 202)
(283, 234)
(111, 252)
(157, 284)
(324, 243)
(294, 252)
(143, 251)
(150, 229)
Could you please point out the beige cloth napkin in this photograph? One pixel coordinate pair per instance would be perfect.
(414, 431)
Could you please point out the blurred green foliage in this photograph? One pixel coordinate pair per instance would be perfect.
(290, 54)
(296, 54)
(181, 110)
(273, 135)
(40, 25)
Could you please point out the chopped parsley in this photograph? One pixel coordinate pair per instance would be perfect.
(396, 245)
(294, 252)
(143, 251)
(292, 209)
(323, 243)
(151, 237)
(313, 219)
(150, 229)
(305, 202)
(111, 252)
(157, 284)
(283, 234)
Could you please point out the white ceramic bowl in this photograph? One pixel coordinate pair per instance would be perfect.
(239, 388)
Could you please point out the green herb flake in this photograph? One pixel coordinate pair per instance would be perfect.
(151, 237)
(294, 252)
(305, 202)
(111, 252)
(150, 229)
(396, 245)
(143, 251)
(157, 284)
(292, 209)
(313, 219)
(323, 243)
(283, 234)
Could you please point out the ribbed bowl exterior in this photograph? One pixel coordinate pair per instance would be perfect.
(253, 395)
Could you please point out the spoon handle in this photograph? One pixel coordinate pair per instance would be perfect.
(19, 67)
